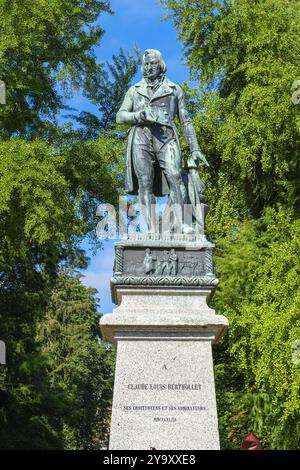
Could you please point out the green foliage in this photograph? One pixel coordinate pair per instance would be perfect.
(43, 44)
(48, 196)
(259, 270)
(34, 201)
(43, 221)
(77, 365)
(106, 89)
(245, 56)
(56, 388)
(59, 396)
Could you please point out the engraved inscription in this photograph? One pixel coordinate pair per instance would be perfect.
(169, 386)
(166, 407)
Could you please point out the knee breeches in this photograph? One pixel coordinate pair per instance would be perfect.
(151, 144)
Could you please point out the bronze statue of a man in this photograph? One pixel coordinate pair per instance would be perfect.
(153, 159)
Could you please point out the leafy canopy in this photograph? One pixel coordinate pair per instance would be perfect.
(56, 389)
(44, 46)
(245, 57)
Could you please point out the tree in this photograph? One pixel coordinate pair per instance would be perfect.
(59, 396)
(77, 365)
(245, 58)
(41, 229)
(50, 184)
(42, 45)
(106, 89)
(259, 291)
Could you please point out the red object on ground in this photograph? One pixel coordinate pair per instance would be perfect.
(251, 442)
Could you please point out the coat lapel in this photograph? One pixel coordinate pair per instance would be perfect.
(166, 88)
(141, 88)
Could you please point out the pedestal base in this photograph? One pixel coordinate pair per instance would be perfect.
(164, 393)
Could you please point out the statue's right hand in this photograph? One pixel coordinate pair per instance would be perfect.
(148, 115)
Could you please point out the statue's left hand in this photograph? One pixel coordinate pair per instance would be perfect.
(197, 158)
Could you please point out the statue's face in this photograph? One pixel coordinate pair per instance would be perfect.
(151, 67)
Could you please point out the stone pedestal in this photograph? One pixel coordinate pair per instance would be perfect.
(164, 393)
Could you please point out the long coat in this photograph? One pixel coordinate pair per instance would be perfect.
(168, 102)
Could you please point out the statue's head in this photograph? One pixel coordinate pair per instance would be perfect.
(153, 64)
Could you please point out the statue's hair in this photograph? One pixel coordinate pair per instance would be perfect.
(163, 66)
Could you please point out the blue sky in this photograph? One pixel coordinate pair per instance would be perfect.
(140, 22)
(134, 22)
